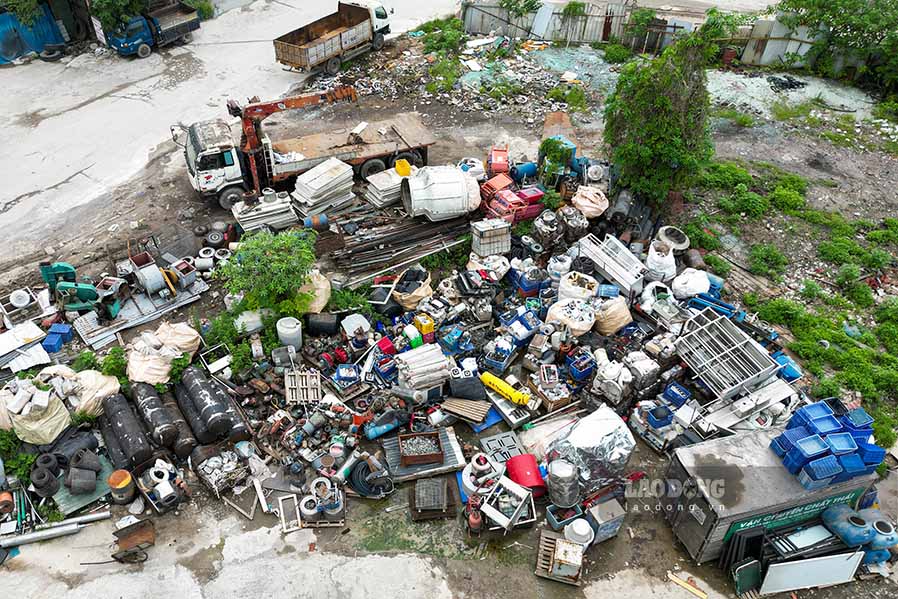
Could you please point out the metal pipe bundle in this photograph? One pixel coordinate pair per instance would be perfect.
(185, 441)
(156, 418)
(200, 432)
(422, 367)
(127, 430)
(209, 405)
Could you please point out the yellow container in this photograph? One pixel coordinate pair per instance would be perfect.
(403, 168)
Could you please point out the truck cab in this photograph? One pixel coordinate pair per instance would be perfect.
(380, 17)
(131, 38)
(214, 164)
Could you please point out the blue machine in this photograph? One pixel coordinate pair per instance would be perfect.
(789, 370)
(156, 28)
(706, 300)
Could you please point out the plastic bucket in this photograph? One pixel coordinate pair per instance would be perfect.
(121, 486)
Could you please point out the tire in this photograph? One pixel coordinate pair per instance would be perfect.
(372, 167)
(144, 50)
(378, 42)
(332, 67)
(230, 196)
(50, 55)
(186, 38)
(215, 240)
(413, 158)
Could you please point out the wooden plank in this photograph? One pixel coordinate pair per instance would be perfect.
(687, 585)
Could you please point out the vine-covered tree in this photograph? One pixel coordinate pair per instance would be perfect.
(656, 121)
(113, 13)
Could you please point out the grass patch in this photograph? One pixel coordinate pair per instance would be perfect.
(454, 258)
(446, 36)
(723, 175)
(766, 260)
(787, 199)
(770, 177)
(738, 118)
(783, 110)
(718, 265)
(743, 201)
(572, 95)
(501, 89)
(700, 235)
(887, 109)
(444, 73)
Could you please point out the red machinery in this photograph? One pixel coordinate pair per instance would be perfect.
(515, 207)
(253, 114)
(497, 161)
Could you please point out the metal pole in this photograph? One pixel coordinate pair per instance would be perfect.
(41, 535)
(86, 519)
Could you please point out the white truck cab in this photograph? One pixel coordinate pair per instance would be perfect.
(380, 16)
(213, 162)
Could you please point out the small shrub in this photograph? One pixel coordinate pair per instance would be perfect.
(876, 259)
(616, 53)
(811, 290)
(766, 260)
(572, 95)
(888, 311)
(839, 250)
(443, 35)
(718, 265)
(86, 360)
(826, 387)
(787, 199)
(751, 300)
(552, 200)
(701, 236)
(884, 427)
(178, 365)
(887, 110)
(888, 335)
(444, 74)
(723, 175)
(745, 202)
(782, 110)
(848, 275)
(860, 294)
(204, 8)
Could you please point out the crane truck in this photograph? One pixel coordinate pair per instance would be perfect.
(222, 169)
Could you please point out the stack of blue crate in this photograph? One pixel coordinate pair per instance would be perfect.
(822, 449)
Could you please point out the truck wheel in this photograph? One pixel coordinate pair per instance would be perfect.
(143, 50)
(186, 38)
(412, 158)
(372, 167)
(332, 67)
(378, 42)
(229, 197)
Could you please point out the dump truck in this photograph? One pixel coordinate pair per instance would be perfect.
(325, 44)
(157, 27)
(220, 168)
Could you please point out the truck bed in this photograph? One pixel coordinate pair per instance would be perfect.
(175, 21)
(330, 36)
(402, 132)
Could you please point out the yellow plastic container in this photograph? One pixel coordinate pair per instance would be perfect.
(403, 168)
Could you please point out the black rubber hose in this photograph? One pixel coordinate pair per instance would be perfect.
(360, 471)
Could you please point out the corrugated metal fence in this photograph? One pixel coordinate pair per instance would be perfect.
(600, 23)
(16, 39)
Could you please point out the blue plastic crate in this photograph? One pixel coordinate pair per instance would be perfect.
(794, 464)
(823, 468)
(659, 417)
(809, 448)
(63, 330)
(852, 465)
(777, 447)
(859, 418)
(868, 498)
(676, 394)
(841, 443)
(792, 435)
(52, 343)
(812, 484)
(872, 454)
(608, 291)
(825, 425)
(815, 410)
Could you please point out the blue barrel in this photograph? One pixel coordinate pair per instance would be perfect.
(522, 170)
(848, 525)
(885, 533)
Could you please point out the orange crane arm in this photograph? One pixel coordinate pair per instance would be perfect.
(253, 114)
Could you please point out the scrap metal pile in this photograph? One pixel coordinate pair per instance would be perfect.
(504, 394)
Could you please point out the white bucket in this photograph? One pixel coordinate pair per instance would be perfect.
(290, 332)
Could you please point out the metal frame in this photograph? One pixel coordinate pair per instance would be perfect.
(615, 262)
(727, 360)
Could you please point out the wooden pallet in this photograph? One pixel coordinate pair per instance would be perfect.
(468, 410)
(544, 552)
(302, 386)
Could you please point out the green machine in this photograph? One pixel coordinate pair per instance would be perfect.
(72, 296)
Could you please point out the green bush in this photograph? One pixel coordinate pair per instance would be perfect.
(766, 260)
(572, 95)
(86, 360)
(444, 36)
(884, 424)
(848, 275)
(616, 53)
(770, 176)
(787, 199)
(840, 250)
(743, 201)
(811, 290)
(887, 311)
(718, 265)
(723, 175)
(826, 387)
(700, 236)
(888, 335)
(887, 110)
(204, 8)
(860, 294)
(876, 259)
(444, 73)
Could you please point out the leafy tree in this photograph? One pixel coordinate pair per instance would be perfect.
(112, 13)
(656, 121)
(866, 29)
(269, 269)
(519, 8)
